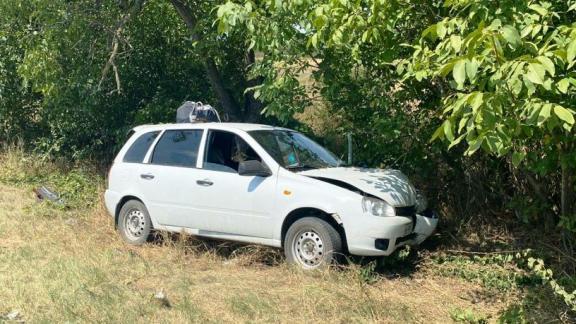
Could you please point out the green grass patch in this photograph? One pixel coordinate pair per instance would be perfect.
(79, 187)
(497, 271)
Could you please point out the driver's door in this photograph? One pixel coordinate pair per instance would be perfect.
(231, 203)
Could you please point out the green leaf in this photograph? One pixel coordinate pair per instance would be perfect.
(320, 21)
(476, 101)
(548, 64)
(444, 70)
(441, 30)
(439, 133)
(526, 31)
(571, 51)
(314, 40)
(517, 158)
(564, 114)
(456, 141)
(471, 68)
(474, 145)
(456, 42)
(563, 85)
(530, 88)
(515, 86)
(536, 73)
(448, 130)
(459, 72)
(544, 114)
(539, 9)
(429, 31)
(462, 124)
(511, 35)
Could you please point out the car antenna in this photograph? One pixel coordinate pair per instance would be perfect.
(197, 112)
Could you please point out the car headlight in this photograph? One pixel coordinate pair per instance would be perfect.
(377, 207)
(421, 203)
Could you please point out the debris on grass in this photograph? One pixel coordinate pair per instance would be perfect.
(13, 315)
(161, 298)
(43, 193)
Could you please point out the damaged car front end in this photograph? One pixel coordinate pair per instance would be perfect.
(391, 213)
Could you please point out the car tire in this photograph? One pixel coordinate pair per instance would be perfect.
(312, 243)
(134, 223)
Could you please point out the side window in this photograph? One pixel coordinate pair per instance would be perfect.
(225, 151)
(139, 148)
(178, 148)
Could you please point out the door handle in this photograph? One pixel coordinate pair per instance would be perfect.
(205, 182)
(147, 176)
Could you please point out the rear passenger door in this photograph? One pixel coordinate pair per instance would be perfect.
(168, 180)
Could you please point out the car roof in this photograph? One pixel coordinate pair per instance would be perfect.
(223, 126)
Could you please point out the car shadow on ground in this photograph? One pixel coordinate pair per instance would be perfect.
(403, 263)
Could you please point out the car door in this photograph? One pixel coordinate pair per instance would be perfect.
(168, 180)
(231, 203)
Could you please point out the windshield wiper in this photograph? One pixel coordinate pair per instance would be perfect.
(301, 167)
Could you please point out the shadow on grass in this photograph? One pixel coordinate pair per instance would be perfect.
(227, 251)
(402, 263)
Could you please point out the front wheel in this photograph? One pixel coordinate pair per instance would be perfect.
(134, 223)
(312, 243)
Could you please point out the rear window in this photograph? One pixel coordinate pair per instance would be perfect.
(137, 151)
(178, 148)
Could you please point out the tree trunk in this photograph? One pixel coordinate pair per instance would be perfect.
(566, 198)
(252, 106)
(566, 186)
(230, 107)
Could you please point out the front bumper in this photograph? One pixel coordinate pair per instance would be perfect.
(381, 236)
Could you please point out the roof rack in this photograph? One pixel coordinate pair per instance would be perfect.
(196, 112)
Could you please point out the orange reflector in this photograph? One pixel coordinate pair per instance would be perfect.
(287, 192)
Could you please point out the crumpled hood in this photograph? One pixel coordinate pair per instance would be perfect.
(389, 185)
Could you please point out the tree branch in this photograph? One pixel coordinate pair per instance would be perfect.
(136, 7)
(229, 105)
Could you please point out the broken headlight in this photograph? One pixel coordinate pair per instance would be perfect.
(377, 207)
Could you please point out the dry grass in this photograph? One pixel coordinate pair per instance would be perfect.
(69, 265)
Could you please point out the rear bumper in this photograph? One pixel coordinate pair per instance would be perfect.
(381, 236)
(111, 200)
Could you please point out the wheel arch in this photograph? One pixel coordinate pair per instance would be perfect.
(120, 204)
(302, 212)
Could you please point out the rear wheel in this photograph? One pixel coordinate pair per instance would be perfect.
(312, 243)
(134, 223)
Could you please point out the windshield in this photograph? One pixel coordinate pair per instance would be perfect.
(293, 150)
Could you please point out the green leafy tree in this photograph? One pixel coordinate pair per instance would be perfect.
(502, 74)
(509, 83)
(337, 55)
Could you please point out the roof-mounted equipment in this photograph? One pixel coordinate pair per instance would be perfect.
(196, 112)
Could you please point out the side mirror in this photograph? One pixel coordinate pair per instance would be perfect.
(253, 168)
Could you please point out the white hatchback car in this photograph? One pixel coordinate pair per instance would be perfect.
(261, 184)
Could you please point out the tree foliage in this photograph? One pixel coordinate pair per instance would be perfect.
(497, 76)
(510, 82)
(75, 76)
